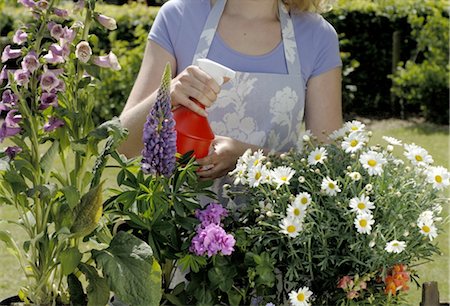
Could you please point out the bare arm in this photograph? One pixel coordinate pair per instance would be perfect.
(192, 82)
(323, 106)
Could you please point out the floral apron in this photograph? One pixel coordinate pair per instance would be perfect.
(263, 109)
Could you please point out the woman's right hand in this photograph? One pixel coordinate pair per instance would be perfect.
(192, 82)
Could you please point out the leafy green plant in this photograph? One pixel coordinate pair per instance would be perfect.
(47, 82)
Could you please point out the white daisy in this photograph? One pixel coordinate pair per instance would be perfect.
(354, 126)
(428, 229)
(426, 217)
(290, 227)
(330, 187)
(355, 176)
(257, 175)
(296, 211)
(338, 134)
(300, 297)
(439, 177)
(417, 155)
(395, 246)
(354, 142)
(363, 223)
(318, 155)
(282, 175)
(240, 174)
(373, 162)
(256, 159)
(303, 199)
(361, 204)
(393, 141)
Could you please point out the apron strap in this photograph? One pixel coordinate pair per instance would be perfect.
(287, 32)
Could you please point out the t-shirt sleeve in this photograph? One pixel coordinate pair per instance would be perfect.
(165, 28)
(327, 46)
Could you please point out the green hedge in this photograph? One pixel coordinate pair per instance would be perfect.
(418, 86)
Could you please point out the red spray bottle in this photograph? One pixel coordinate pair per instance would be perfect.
(193, 131)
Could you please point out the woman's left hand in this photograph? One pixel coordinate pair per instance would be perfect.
(223, 159)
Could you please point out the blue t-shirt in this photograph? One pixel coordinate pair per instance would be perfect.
(179, 24)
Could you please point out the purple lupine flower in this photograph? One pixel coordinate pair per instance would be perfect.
(108, 22)
(212, 214)
(22, 77)
(30, 62)
(211, 240)
(9, 53)
(27, 3)
(60, 12)
(12, 151)
(159, 136)
(107, 61)
(52, 124)
(47, 100)
(49, 81)
(20, 37)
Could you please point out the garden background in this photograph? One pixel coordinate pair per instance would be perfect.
(395, 79)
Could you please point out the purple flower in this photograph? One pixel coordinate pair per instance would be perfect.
(79, 5)
(68, 37)
(212, 214)
(106, 21)
(56, 30)
(159, 136)
(12, 152)
(9, 53)
(107, 61)
(10, 126)
(22, 77)
(20, 37)
(83, 51)
(30, 62)
(42, 4)
(3, 74)
(28, 3)
(49, 81)
(211, 240)
(53, 58)
(47, 100)
(12, 119)
(8, 100)
(60, 12)
(52, 124)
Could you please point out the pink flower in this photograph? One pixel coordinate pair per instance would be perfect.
(52, 124)
(49, 81)
(106, 21)
(352, 295)
(345, 282)
(212, 214)
(211, 240)
(107, 61)
(22, 77)
(47, 100)
(83, 51)
(30, 62)
(20, 37)
(9, 53)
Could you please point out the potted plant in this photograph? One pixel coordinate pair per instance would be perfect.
(51, 171)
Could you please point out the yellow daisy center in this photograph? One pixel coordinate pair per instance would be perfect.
(331, 185)
(363, 223)
(283, 178)
(354, 128)
(297, 212)
(419, 158)
(256, 162)
(372, 162)
(354, 143)
(301, 297)
(304, 201)
(426, 229)
(395, 244)
(361, 205)
(257, 175)
(318, 156)
(438, 178)
(291, 228)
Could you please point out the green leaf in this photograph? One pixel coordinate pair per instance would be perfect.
(234, 298)
(98, 289)
(72, 195)
(70, 258)
(47, 160)
(192, 262)
(77, 296)
(131, 259)
(11, 245)
(16, 181)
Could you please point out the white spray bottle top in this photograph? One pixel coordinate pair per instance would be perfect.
(218, 72)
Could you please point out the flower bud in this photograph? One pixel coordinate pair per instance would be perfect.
(390, 148)
(107, 22)
(317, 171)
(301, 179)
(107, 61)
(306, 138)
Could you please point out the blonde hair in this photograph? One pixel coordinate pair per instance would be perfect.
(318, 6)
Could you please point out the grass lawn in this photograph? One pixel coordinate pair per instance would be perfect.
(434, 138)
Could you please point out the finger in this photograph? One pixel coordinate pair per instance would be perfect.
(206, 79)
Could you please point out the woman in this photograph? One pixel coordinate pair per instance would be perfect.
(288, 67)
